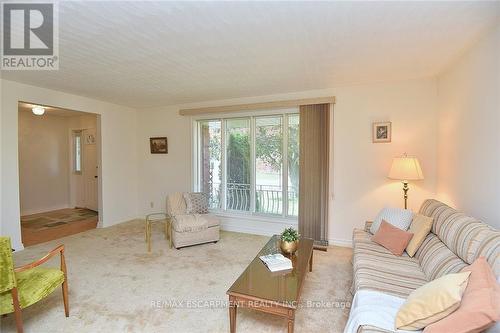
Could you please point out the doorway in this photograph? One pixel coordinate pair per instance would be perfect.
(85, 175)
(58, 172)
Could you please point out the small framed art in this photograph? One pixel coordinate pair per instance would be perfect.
(158, 145)
(382, 132)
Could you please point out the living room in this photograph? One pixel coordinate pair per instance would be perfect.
(426, 75)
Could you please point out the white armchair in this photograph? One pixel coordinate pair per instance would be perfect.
(190, 229)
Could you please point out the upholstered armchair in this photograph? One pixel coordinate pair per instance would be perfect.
(26, 285)
(188, 224)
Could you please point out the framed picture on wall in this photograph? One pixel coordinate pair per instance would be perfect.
(158, 145)
(382, 132)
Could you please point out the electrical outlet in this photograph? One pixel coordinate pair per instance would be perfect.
(152, 204)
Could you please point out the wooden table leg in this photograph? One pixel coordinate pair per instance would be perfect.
(311, 262)
(291, 320)
(232, 315)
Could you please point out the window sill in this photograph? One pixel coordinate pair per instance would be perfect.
(293, 221)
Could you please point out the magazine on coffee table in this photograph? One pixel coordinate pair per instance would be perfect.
(276, 262)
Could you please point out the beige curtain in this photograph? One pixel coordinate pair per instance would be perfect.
(313, 183)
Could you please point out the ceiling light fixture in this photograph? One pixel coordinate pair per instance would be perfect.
(38, 110)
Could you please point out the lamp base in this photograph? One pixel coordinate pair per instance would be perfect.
(405, 191)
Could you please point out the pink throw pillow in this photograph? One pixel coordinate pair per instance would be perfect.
(392, 238)
(480, 306)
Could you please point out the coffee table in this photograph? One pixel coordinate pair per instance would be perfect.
(277, 293)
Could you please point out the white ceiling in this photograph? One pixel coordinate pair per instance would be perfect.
(145, 54)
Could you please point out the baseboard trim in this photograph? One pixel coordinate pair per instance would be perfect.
(246, 230)
(101, 224)
(340, 242)
(43, 210)
(18, 246)
(253, 227)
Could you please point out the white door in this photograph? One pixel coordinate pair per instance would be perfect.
(90, 169)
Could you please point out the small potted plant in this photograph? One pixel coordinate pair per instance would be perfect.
(289, 240)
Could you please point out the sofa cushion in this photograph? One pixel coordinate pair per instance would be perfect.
(465, 236)
(398, 217)
(420, 228)
(480, 306)
(486, 243)
(176, 205)
(196, 202)
(33, 285)
(194, 222)
(213, 220)
(376, 268)
(454, 228)
(189, 223)
(392, 238)
(432, 302)
(436, 259)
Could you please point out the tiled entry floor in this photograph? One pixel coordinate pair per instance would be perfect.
(43, 227)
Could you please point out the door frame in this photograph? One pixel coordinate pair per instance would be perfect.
(71, 174)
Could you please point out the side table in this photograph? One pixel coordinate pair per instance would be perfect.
(157, 217)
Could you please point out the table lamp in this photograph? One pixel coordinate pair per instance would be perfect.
(405, 168)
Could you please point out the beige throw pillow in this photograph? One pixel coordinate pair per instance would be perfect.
(196, 202)
(420, 228)
(432, 302)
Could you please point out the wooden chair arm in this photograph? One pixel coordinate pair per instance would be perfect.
(59, 249)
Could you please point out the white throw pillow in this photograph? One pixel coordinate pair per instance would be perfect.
(400, 218)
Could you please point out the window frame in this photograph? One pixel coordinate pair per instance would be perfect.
(79, 134)
(197, 168)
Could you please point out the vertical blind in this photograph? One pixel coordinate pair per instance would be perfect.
(314, 167)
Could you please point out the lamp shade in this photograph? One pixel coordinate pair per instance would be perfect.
(406, 168)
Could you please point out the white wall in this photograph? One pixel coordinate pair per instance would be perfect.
(469, 131)
(360, 187)
(43, 162)
(360, 167)
(118, 156)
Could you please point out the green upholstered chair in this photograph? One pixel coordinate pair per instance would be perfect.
(23, 286)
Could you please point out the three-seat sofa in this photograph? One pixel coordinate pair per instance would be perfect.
(454, 242)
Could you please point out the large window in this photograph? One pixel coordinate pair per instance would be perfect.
(249, 164)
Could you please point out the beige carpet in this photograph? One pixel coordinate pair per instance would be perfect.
(116, 286)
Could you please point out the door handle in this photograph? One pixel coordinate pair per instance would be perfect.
(95, 176)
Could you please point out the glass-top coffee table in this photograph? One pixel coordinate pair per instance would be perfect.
(277, 293)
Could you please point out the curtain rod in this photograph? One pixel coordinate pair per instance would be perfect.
(257, 106)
